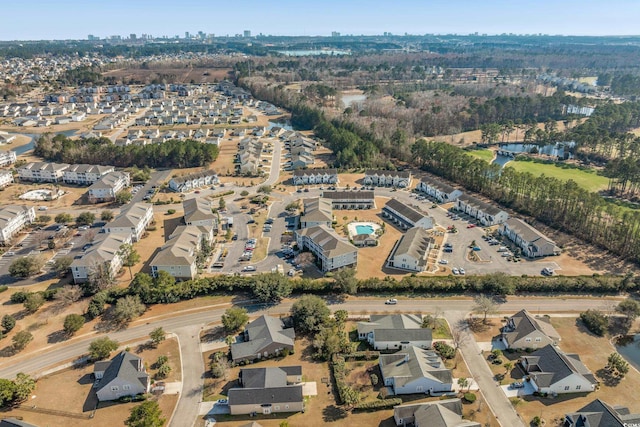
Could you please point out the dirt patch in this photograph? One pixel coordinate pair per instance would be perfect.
(172, 75)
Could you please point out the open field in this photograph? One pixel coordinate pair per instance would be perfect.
(71, 391)
(172, 75)
(588, 180)
(486, 155)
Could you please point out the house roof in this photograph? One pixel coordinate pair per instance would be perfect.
(438, 185)
(181, 248)
(268, 377)
(404, 335)
(379, 172)
(109, 180)
(415, 243)
(527, 232)
(89, 169)
(197, 209)
(262, 332)
(332, 245)
(9, 212)
(308, 172)
(412, 364)
(349, 195)
(406, 211)
(248, 396)
(12, 422)
(317, 209)
(130, 217)
(196, 175)
(600, 414)
(524, 324)
(549, 365)
(105, 248)
(125, 366)
(45, 166)
(390, 321)
(480, 205)
(443, 413)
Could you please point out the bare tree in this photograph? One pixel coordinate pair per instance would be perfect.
(68, 294)
(458, 335)
(485, 305)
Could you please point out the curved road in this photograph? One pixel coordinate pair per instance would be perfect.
(187, 325)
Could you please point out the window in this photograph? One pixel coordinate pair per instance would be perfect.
(276, 408)
(566, 387)
(419, 389)
(578, 387)
(114, 388)
(126, 387)
(286, 406)
(527, 339)
(538, 339)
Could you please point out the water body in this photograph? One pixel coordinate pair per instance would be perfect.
(34, 136)
(313, 52)
(555, 150)
(631, 352)
(349, 100)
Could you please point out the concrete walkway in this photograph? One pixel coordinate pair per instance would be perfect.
(186, 411)
(493, 394)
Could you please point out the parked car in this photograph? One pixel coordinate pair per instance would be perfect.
(235, 237)
(248, 268)
(461, 271)
(222, 402)
(443, 261)
(391, 301)
(471, 226)
(517, 384)
(455, 270)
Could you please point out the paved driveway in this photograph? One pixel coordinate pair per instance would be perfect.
(527, 390)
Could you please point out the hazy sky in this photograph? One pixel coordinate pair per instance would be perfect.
(74, 19)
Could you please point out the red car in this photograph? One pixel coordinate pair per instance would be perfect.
(471, 225)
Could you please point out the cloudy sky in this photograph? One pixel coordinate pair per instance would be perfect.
(75, 19)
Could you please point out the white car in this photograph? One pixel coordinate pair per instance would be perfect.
(455, 270)
(443, 261)
(391, 301)
(249, 268)
(461, 271)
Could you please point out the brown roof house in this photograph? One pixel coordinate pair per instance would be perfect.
(266, 336)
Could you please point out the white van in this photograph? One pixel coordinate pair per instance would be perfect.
(503, 249)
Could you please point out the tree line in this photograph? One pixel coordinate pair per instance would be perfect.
(101, 151)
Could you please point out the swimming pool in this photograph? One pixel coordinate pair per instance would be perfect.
(364, 229)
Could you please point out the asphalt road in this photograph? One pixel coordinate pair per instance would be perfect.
(186, 325)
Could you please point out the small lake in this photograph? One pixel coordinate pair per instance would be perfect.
(349, 100)
(631, 352)
(309, 52)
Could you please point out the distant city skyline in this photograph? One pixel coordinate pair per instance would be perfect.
(76, 19)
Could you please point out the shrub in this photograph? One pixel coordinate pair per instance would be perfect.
(3, 288)
(171, 211)
(379, 404)
(19, 297)
(444, 350)
(470, 397)
(595, 322)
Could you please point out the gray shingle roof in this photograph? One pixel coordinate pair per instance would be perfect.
(390, 321)
(332, 245)
(349, 195)
(309, 172)
(601, 414)
(406, 211)
(248, 396)
(549, 365)
(262, 332)
(438, 185)
(268, 377)
(524, 324)
(379, 172)
(416, 243)
(480, 205)
(126, 366)
(317, 209)
(12, 422)
(444, 413)
(412, 364)
(197, 209)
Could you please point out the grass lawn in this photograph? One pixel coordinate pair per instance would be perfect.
(588, 180)
(486, 155)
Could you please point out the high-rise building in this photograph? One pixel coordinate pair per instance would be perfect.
(133, 36)
(92, 37)
(247, 33)
(187, 35)
(335, 34)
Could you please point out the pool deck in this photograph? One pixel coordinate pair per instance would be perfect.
(353, 231)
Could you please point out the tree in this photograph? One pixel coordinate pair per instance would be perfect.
(157, 336)
(63, 218)
(73, 323)
(485, 305)
(350, 396)
(508, 366)
(271, 287)
(129, 256)
(163, 371)
(266, 189)
(43, 219)
(147, 414)
(86, 218)
(100, 278)
(123, 197)
(462, 383)
(68, 294)
(345, 280)
(8, 323)
(630, 308)
(244, 193)
(106, 215)
(61, 265)
(234, 319)
(310, 313)
(7, 391)
(26, 266)
(595, 321)
(24, 387)
(33, 302)
(341, 316)
(128, 308)
(221, 203)
(327, 342)
(101, 348)
(21, 339)
(617, 365)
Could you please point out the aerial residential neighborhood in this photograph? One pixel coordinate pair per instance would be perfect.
(430, 226)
